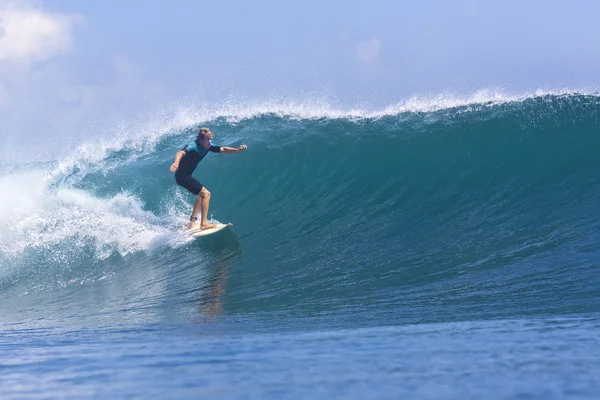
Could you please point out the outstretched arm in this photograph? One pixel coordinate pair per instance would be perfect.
(231, 150)
(175, 165)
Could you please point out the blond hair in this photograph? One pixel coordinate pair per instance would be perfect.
(205, 133)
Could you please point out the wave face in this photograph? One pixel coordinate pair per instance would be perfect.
(471, 211)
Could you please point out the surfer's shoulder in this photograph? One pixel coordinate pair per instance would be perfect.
(191, 146)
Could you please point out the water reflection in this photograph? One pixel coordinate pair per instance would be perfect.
(224, 250)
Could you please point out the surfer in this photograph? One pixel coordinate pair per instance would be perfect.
(186, 161)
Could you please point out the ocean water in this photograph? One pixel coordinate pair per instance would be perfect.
(439, 250)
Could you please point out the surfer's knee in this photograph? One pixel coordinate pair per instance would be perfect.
(204, 193)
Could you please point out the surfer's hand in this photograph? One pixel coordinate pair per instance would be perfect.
(174, 167)
(242, 147)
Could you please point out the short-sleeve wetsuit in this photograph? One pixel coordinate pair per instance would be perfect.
(188, 163)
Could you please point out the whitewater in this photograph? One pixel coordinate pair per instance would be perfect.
(437, 248)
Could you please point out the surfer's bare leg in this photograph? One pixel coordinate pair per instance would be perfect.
(195, 212)
(204, 197)
(201, 204)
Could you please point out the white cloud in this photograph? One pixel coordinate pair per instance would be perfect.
(31, 34)
(368, 50)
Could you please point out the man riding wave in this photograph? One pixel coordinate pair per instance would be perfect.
(186, 161)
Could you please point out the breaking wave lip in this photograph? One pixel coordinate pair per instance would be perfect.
(234, 112)
(142, 140)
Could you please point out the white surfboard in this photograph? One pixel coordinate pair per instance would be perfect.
(197, 232)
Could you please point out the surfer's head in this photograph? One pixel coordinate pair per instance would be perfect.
(204, 138)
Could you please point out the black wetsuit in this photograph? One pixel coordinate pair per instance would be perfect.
(188, 163)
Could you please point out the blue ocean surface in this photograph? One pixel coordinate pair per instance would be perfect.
(442, 252)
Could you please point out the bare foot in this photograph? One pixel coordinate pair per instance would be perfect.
(207, 226)
(193, 225)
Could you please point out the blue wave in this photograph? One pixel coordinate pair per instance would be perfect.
(471, 211)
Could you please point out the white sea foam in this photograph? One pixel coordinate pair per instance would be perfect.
(33, 215)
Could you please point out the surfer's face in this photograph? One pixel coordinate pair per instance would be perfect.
(205, 142)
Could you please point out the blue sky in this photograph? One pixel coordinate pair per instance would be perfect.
(69, 66)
